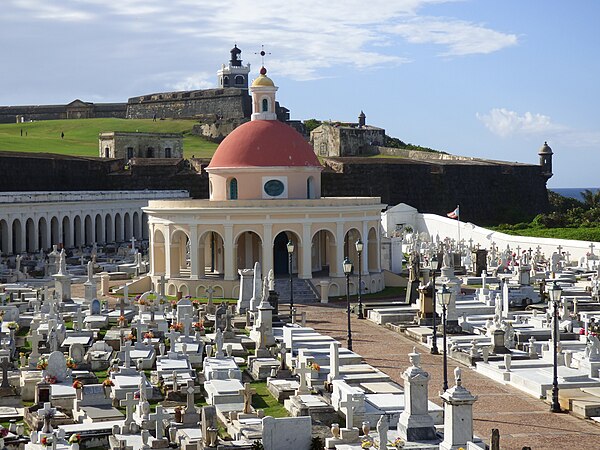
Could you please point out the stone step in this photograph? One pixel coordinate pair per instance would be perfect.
(303, 291)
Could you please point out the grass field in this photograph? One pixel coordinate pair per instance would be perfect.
(81, 136)
(578, 234)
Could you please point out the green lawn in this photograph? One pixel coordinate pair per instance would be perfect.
(81, 136)
(578, 234)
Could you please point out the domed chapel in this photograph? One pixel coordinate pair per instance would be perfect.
(265, 191)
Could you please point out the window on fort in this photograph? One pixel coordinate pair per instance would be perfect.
(310, 187)
(149, 152)
(167, 152)
(265, 105)
(129, 152)
(225, 81)
(233, 189)
(239, 79)
(107, 152)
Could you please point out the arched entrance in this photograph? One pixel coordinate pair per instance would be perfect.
(248, 247)
(3, 237)
(280, 253)
(100, 238)
(373, 249)
(118, 228)
(89, 231)
(108, 229)
(30, 237)
(210, 253)
(323, 254)
(66, 232)
(17, 236)
(54, 235)
(179, 254)
(127, 220)
(78, 241)
(43, 234)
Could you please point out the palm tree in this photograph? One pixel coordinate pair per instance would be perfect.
(591, 199)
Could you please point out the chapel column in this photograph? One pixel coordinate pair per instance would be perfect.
(168, 264)
(9, 244)
(267, 247)
(305, 272)
(365, 253)
(339, 251)
(194, 253)
(229, 253)
(35, 237)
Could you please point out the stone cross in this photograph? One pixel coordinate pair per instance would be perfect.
(349, 406)
(282, 352)
(159, 416)
(248, 392)
(262, 329)
(301, 371)
(209, 293)
(129, 403)
(228, 320)
(5, 365)
(35, 343)
(173, 336)
(190, 391)
(46, 413)
(187, 322)
(470, 243)
(127, 349)
(559, 248)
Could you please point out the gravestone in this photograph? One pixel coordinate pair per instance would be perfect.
(256, 287)
(57, 366)
(209, 422)
(220, 317)
(77, 352)
(246, 278)
(95, 307)
(286, 433)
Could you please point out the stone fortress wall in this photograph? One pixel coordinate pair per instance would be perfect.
(12, 114)
(487, 191)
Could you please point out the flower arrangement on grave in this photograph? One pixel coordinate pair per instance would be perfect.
(71, 364)
(3, 432)
(13, 326)
(136, 395)
(51, 379)
(75, 439)
(199, 326)
(399, 443)
(42, 363)
(142, 302)
(77, 384)
(177, 326)
(46, 441)
(130, 337)
(314, 366)
(148, 335)
(367, 442)
(108, 382)
(173, 303)
(196, 302)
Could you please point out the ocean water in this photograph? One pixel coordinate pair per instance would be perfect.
(573, 192)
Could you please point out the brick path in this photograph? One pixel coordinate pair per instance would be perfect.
(521, 419)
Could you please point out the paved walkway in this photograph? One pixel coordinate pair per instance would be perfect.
(521, 419)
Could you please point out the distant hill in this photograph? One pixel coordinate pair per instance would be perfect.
(81, 136)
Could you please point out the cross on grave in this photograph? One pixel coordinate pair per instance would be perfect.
(349, 405)
(282, 352)
(122, 306)
(301, 371)
(262, 330)
(538, 249)
(47, 413)
(5, 365)
(132, 244)
(209, 293)
(470, 243)
(138, 329)
(159, 416)
(129, 403)
(228, 320)
(568, 256)
(518, 251)
(592, 246)
(248, 392)
(190, 391)
(187, 322)
(127, 349)
(559, 248)
(173, 336)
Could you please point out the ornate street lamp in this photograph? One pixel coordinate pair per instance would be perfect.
(445, 295)
(347, 271)
(554, 293)
(359, 249)
(434, 265)
(290, 249)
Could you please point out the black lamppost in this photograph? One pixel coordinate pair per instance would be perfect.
(290, 249)
(359, 249)
(554, 293)
(434, 266)
(347, 271)
(446, 295)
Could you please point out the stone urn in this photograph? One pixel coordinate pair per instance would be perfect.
(335, 430)
(178, 415)
(366, 428)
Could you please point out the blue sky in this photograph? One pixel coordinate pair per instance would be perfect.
(484, 78)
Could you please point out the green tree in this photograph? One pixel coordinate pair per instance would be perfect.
(311, 124)
(591, 199)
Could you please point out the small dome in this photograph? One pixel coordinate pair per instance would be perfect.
(264, 143)
(263, 79)
(545, 149)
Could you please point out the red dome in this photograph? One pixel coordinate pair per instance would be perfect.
(264, 143)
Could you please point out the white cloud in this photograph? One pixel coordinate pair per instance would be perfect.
(460, 37)
(506, 123)
(320, 35)
(202, 80)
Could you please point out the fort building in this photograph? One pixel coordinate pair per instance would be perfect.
(77, 109)
(336, 139)
(128, 145)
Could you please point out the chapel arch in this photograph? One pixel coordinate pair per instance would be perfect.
(88, 230)
(211, 250)
(248, 250)
(179, 254)
(137, 226)
(17, 236)
(118, 227)
(43, 242)
(67, 233)
(352, 235)
(55, 238)
(323, 253)
(4, 247)
(373, 250)
(145, 227)
(109, 231)
(127, 224)
(281, 256)
(99, 226)
(77, 233)
(30, 237)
